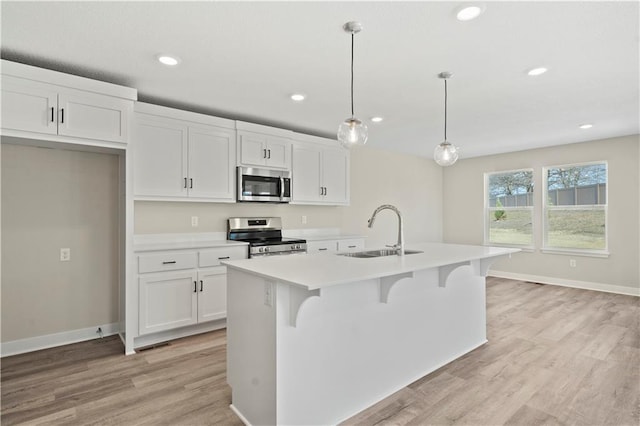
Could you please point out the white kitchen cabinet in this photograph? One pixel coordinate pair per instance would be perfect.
(42, 108)
(212, 296)
(320, 172)
(168, 300)
(335, 245)
(179, 288)
(262, 146)
(175, 159)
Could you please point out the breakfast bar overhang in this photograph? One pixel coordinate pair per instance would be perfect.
(314, 339)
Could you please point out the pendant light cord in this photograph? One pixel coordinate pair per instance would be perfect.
(352, 38)
(445, 110)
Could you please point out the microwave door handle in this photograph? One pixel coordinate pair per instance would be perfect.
(281, 187)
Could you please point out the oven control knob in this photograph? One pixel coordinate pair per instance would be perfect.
(260, 250)
(293, 247)
(266, 249)
(298, 246)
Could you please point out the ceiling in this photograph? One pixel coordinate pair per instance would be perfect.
(243, 60)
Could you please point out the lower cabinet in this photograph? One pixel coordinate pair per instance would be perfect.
(168, 300)
(212, 294)
(329, 246)
(182, 288)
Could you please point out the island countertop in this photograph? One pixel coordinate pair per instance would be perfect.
(316, 271)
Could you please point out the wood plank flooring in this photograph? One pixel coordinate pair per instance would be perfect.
(556, 356)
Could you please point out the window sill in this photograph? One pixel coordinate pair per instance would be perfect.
(569, 252)
(526, 249)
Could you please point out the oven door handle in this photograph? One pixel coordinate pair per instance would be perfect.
(281, 187)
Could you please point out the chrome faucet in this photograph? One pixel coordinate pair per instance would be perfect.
(400, 244)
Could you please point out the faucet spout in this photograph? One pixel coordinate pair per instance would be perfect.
(399, 246)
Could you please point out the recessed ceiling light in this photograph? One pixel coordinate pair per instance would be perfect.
(537, 71)
(376, 119)
(469, 11)
(168, 60)
(586, 126)
(297, 97)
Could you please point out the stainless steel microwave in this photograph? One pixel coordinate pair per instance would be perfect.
(263, 185)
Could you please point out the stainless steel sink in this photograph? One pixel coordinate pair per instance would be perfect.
(377, 253)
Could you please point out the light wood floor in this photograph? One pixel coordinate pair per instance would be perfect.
(556, 356)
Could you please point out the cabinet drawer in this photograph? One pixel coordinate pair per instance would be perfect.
(345, 245)
(322, 246)
(167, 261)
(213, 256)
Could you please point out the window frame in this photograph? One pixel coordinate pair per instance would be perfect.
(488, 210)
(546, 208)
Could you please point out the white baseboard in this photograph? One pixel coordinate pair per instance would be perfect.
(177, 333)
(31, 344)
(585, 285)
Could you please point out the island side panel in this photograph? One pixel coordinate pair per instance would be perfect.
(349, 350)
(251, 347)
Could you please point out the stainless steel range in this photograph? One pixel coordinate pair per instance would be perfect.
(264, 235)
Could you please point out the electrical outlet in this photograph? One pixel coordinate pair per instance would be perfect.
(572, 263)
(304, 220)
(65, 254)
(194, 221)
(268, 294)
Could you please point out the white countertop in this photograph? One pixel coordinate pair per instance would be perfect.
(157, 242)
(315, 271)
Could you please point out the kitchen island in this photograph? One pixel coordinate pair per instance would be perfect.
(317, 338)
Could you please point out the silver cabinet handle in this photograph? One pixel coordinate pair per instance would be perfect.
(200, 285)
(323, 249)
(264, 153)
(268, 153)
(171, 262)
(52, 112)
(352, 246)
(61, 115)
(223, 258)
(195, 286)
(191, 183)
(185, 183)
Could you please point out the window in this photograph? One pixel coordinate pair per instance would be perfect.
(575, 207)
(509, 208)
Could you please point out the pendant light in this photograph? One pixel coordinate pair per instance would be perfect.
(352, 131)
(446, 153)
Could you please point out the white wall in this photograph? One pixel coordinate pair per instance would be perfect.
(413, 184)
(53, 198)
(463, 206)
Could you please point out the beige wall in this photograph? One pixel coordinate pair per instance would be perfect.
(377, 177)
(53, 198)
(463, 206)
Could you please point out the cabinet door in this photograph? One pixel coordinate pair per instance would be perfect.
(305, 179)
(167, 300)
(92, 116)
(29, 106)
(335, 176)
(252, 149)
(211, 165)
(212, 294)
(160, 158)
(278, 152)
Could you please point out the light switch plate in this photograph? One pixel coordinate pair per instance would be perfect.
(65, 254)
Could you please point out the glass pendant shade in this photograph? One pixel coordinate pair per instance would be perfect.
(352, 132)
(446, 154)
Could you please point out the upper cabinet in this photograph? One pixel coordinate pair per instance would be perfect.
(43, 104)
(320, 172)
(263, 146)
(182, 156)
